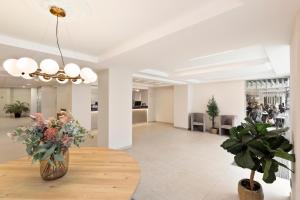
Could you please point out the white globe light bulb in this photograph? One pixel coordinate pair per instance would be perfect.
(93, 77)
(84, 73)
(10, 65)
(27, 65)
(26, 76)
(76, 82)
(62, 81)
(72, 70)
(49, 66)
(45, 79)
(86, 81)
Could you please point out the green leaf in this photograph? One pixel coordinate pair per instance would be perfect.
(49, 152)
(286, 146)
(276, 132)
(228, 143)
(41, 150)
(245, 160)
(284, 166)
(270, 168)
(249, 120)
(262, 128)
(59, 157)
(259, 148)
(282, 154)
(233, 133)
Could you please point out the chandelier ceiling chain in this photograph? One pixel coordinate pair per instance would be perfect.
(57, 42)
(48, 69)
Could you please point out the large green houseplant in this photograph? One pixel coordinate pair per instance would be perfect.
(213, 112)
(255, 147)
(16, 108)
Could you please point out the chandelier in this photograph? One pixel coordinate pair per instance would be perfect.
(48, 69)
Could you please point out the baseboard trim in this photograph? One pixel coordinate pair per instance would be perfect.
(186, 129)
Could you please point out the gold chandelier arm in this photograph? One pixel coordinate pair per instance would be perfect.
(60, 74)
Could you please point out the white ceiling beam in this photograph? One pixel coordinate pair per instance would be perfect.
(211, 9)
(24, 44)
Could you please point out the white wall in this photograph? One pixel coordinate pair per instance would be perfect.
(115, 111)
(64, 97)
(182, 105)
(20, 94)
(295, 108)
(5, 98)
(151, 105)
(230, 97)
(103, 109)
(163, 102)
(81, 104)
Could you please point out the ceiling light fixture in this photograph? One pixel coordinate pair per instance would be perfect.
(48, 69)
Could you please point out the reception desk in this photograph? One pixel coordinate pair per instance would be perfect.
(139, 115)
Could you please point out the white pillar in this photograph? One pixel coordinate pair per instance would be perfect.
(33, 100)
(48, 101)
(182, 106)
(115, 108)
(295, 94)
(81, 104)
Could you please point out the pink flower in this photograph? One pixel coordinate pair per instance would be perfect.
(66, 140)
(50, 133)
(64, 117)
(39, 118)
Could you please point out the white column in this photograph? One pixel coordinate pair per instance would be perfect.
(48, 101)
(151, 105)
(295, 94)
(182, 106)
(115, 108)
(33, 100)
(81, 104)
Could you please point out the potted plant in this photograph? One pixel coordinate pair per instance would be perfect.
(48, 141)
(255, 147)
(16, 108)
(213, 112)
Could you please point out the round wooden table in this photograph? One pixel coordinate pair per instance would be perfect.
(94, 173)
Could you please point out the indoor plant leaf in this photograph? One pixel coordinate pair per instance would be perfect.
(244, 160)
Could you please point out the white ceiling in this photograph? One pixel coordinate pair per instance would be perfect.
(203, 40)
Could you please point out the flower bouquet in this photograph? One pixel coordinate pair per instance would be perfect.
(48, 141)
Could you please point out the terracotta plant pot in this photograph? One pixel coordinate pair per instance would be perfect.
(17, 115)
(214, 130)
(246, 194)
(55, 170)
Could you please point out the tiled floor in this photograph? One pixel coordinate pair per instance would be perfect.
(180, 165)
(177, 165)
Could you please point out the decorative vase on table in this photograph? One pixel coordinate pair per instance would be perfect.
(54, 169)
(48, 142)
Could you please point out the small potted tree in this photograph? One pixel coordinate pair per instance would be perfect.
(255, 147)
(213, 112)
(16, 108)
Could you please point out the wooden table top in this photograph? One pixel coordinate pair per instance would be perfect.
(94, 173)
